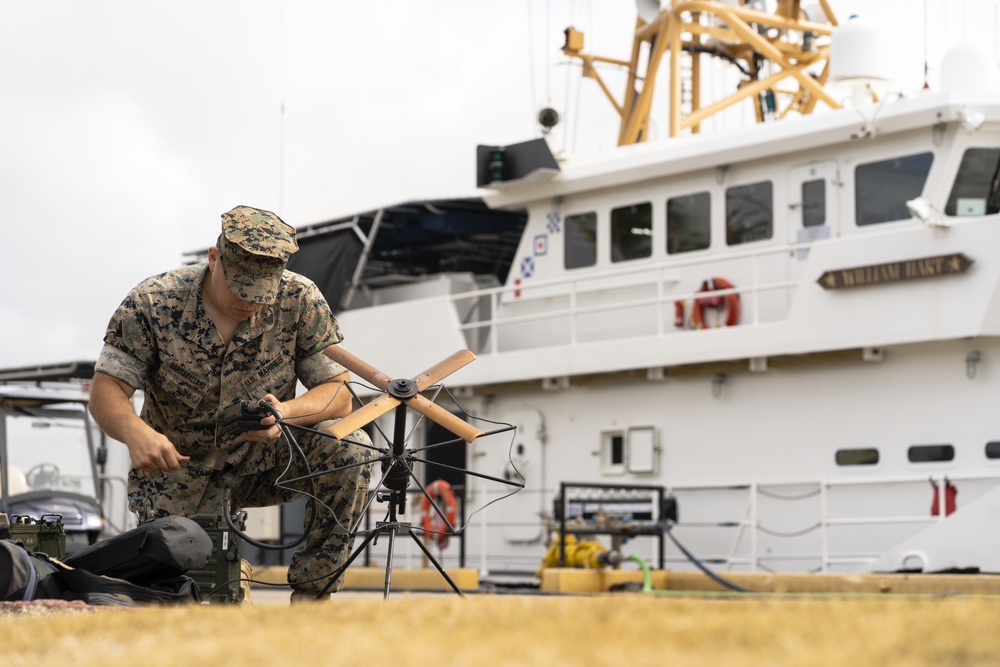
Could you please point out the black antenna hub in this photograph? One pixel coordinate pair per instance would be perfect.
(402, 389)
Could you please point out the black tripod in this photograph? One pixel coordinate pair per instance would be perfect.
(397, 461)
(396, 475)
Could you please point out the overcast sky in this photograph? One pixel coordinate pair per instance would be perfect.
(128, 127)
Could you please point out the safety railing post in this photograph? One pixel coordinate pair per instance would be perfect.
(753, 526)
(824, 515)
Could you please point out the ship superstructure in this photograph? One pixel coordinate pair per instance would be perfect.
(790, 329)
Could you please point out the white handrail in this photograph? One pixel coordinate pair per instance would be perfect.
(750, 519)
(576, 286)
(826, 521)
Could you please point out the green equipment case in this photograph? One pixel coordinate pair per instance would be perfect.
(45, 535)
(219, 580)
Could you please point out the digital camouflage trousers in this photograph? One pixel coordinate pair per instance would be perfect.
(340, 498)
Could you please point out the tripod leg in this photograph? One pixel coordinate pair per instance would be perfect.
(437, 565)
(388, 561)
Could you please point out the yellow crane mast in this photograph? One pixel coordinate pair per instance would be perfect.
(786, 47)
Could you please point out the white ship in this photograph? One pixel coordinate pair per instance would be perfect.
(790, 329)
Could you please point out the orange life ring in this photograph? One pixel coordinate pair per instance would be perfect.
(444, 497)
(731, 302)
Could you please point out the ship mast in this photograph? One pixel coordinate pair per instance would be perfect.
(769, 49)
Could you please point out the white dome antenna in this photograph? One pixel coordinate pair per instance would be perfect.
(859, 58)
(966, 67)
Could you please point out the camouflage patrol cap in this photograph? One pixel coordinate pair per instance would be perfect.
(254, 247)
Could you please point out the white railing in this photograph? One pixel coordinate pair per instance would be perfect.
(573, 288)
(749, 527)
(751, 521)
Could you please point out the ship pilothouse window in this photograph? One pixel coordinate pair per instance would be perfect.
(814, 203)
(688, 223)
(930, 453)
(631, 232)
(883, 188)
(749, 213)
(993, 450)
(976, 190)
(580, 240)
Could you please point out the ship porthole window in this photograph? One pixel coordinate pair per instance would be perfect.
(930, 453)
(860, 456)
(993, 449)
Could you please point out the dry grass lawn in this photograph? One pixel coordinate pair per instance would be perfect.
(621, 630)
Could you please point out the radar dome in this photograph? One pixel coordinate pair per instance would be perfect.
(859, 53)
(967, 68)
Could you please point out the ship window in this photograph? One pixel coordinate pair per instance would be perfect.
(930, 453)
(749, 213)
(976, 190)
(688, 223)
(883, 188)
(993, 450)
(865, 456)
(580, 240)
(613, 453)
(814, 203)
(617, 450)
(631, 232)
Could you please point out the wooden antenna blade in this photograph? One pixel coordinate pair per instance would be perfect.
(439, 415)
(363, 416)
(362, 369)
(443, 369)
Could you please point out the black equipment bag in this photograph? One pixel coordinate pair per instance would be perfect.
(160, 549)
(26, 576)
(17, 573)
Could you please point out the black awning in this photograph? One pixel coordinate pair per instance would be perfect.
(72, 370)
(407, 241)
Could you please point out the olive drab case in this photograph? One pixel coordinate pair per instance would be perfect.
(45, 535)
(219, 578)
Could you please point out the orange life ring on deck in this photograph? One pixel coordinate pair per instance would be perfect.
(731, 302)
(444, 497)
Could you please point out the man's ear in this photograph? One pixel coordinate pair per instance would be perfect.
(213, 257)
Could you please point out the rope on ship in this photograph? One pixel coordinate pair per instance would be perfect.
(794, 533)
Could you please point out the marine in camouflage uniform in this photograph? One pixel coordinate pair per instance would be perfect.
(164, 340)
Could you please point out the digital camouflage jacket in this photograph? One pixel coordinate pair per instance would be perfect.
(162, 341)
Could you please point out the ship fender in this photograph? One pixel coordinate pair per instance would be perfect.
(444, 497)
(728, 302)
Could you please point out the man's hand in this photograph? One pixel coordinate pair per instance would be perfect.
(155, 453)
(110, 405)
(271, 431)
